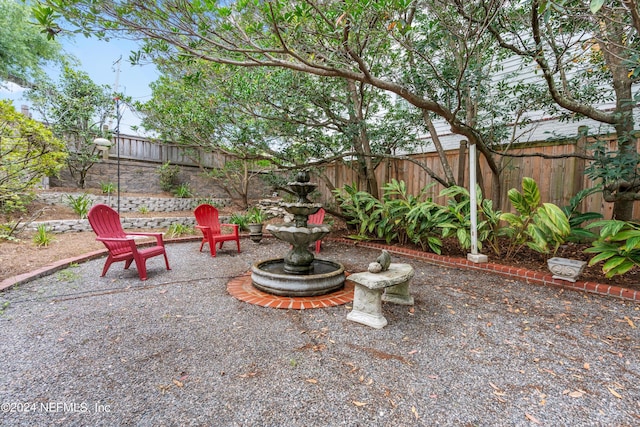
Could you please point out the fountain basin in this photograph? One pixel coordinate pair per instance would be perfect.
(324, 277)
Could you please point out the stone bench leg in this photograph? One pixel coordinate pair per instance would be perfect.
(367, 307)
(398, 294)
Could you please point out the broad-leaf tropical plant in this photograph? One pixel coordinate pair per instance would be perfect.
(542, 228)
(618, 246)
(577, 218)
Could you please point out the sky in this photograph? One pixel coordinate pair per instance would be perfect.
(98, 58)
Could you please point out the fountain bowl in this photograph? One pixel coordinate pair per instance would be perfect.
(288, 232)
(325, 277)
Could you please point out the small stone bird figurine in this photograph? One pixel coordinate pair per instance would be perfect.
(381, 263)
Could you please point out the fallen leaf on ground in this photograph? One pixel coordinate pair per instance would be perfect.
(312, 381)
(615, 393)
(415, 412)
(178, 383)
(359, 403)
(532, 418)
(630, 322)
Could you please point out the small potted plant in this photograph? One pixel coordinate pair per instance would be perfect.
(255, 220)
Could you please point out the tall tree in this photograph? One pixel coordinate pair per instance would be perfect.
(24, 50)
(588, 61)
(77, 110)
(311, 120)
(350, 39)
(28, 152)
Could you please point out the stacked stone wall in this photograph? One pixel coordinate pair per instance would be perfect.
(132, 204)
(78, 225)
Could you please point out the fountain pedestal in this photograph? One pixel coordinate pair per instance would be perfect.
(299, 273)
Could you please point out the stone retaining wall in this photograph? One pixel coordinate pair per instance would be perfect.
(135, 204)
(77, 225)
(131, 204)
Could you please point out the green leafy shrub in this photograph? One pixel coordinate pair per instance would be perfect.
(183, 191)
(240, 219)
(107, 187)
(360, 209)
(28, 152)
(255, 215)
(394, 210)
(43, 236)
(168, 176)
(8, 230)
(423, 225)
(177, 229)
(16, 202)
(79, 204)
(618, 245)
(398, 217)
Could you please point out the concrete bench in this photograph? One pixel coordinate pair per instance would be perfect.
(368, 296)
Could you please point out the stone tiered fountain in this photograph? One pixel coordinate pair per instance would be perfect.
(299, 273)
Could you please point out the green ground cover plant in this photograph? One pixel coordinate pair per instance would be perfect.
(80, 204)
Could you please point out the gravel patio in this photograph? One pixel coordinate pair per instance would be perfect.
(476, 349)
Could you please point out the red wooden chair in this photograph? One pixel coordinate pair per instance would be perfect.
(105, 222)
(317, 218)
(209, 223)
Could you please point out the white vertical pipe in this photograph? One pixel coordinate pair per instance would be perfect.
(472, 199)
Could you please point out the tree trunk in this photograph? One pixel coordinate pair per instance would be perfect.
(361, 141)
(448, 172)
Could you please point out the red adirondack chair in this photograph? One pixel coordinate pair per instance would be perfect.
(209, 223)
(317, 218)
(105, 222)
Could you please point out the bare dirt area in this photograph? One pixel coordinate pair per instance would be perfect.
(23, 255)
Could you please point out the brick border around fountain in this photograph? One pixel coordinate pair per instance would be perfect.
(242, 289)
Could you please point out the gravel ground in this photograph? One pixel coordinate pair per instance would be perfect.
(177, 350)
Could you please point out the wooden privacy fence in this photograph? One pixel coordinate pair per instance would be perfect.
(142, 149)
(558, 179)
